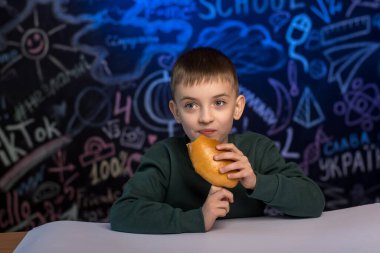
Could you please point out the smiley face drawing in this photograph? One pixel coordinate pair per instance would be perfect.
(35, 44)
(36, 41)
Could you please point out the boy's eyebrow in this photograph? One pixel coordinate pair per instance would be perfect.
(187, 97)
(216, 96)
(221, 95)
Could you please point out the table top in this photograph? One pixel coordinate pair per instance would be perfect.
(347, 230)
(9, 241)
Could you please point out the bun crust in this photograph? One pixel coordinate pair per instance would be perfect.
(201, 152)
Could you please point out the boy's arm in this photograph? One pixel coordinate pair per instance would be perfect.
(141, 208)
(284, 186)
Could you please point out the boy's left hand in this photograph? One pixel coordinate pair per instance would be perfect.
(244, 172)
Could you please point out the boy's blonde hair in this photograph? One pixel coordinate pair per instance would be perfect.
(203, 64)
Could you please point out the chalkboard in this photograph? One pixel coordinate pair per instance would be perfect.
(84, 91)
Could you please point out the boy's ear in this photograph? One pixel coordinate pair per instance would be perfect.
(239, 107)
(173, 108)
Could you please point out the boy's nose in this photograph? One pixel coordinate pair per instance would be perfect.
(205, 116)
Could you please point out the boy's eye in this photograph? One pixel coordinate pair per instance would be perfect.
(220, 102)
(190, 105)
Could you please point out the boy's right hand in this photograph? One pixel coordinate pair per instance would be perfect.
(216, 205)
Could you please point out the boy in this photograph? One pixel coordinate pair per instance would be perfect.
(167, 196)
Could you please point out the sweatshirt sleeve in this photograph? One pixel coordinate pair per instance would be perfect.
(283, 185)
(142, 207)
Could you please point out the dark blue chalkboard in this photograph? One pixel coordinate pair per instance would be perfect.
(84, 91)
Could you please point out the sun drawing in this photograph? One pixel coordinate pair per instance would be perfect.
(34, 45)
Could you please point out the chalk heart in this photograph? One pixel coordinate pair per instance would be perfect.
(166, 61)
(152, 138)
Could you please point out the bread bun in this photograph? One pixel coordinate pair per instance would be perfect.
(202, 152)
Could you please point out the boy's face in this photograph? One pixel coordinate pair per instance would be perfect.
(207, 108)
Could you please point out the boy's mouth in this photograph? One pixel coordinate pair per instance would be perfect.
(207, 132)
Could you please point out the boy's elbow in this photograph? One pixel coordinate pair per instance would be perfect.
(315, 206)
(316, 212)
(311, 207)
(115, 223)
(115, 226)
(308, 211)
(319, 207)
(122, 218)
(117, 220)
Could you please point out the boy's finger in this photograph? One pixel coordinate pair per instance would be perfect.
(224, 146)
(228, 146)
(227, 156)
(225, 195)
(221, 212)
(214, 189)
(230, 197)
(225, 205)
(233, 167)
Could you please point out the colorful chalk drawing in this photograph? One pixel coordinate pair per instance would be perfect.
(279, 19)
(95, 150)
(16, 172)
(258, 53)
(360, 105)
(86, 114)
(123, 45)
(317, 69)
(260, 107)
(132, 137)
(345, 61)
(308, 112)
(292, 78)
(285, 150)
(375, 5)
(313, 41)
(156, 107)
(296, 35)
(312, 151)
(36, 43)
(284, 107)
(61, 167)
(325, 9)
(346, 30)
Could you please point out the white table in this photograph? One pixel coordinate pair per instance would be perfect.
(355, 230)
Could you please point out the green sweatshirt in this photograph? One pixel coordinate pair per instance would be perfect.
(166, 195)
